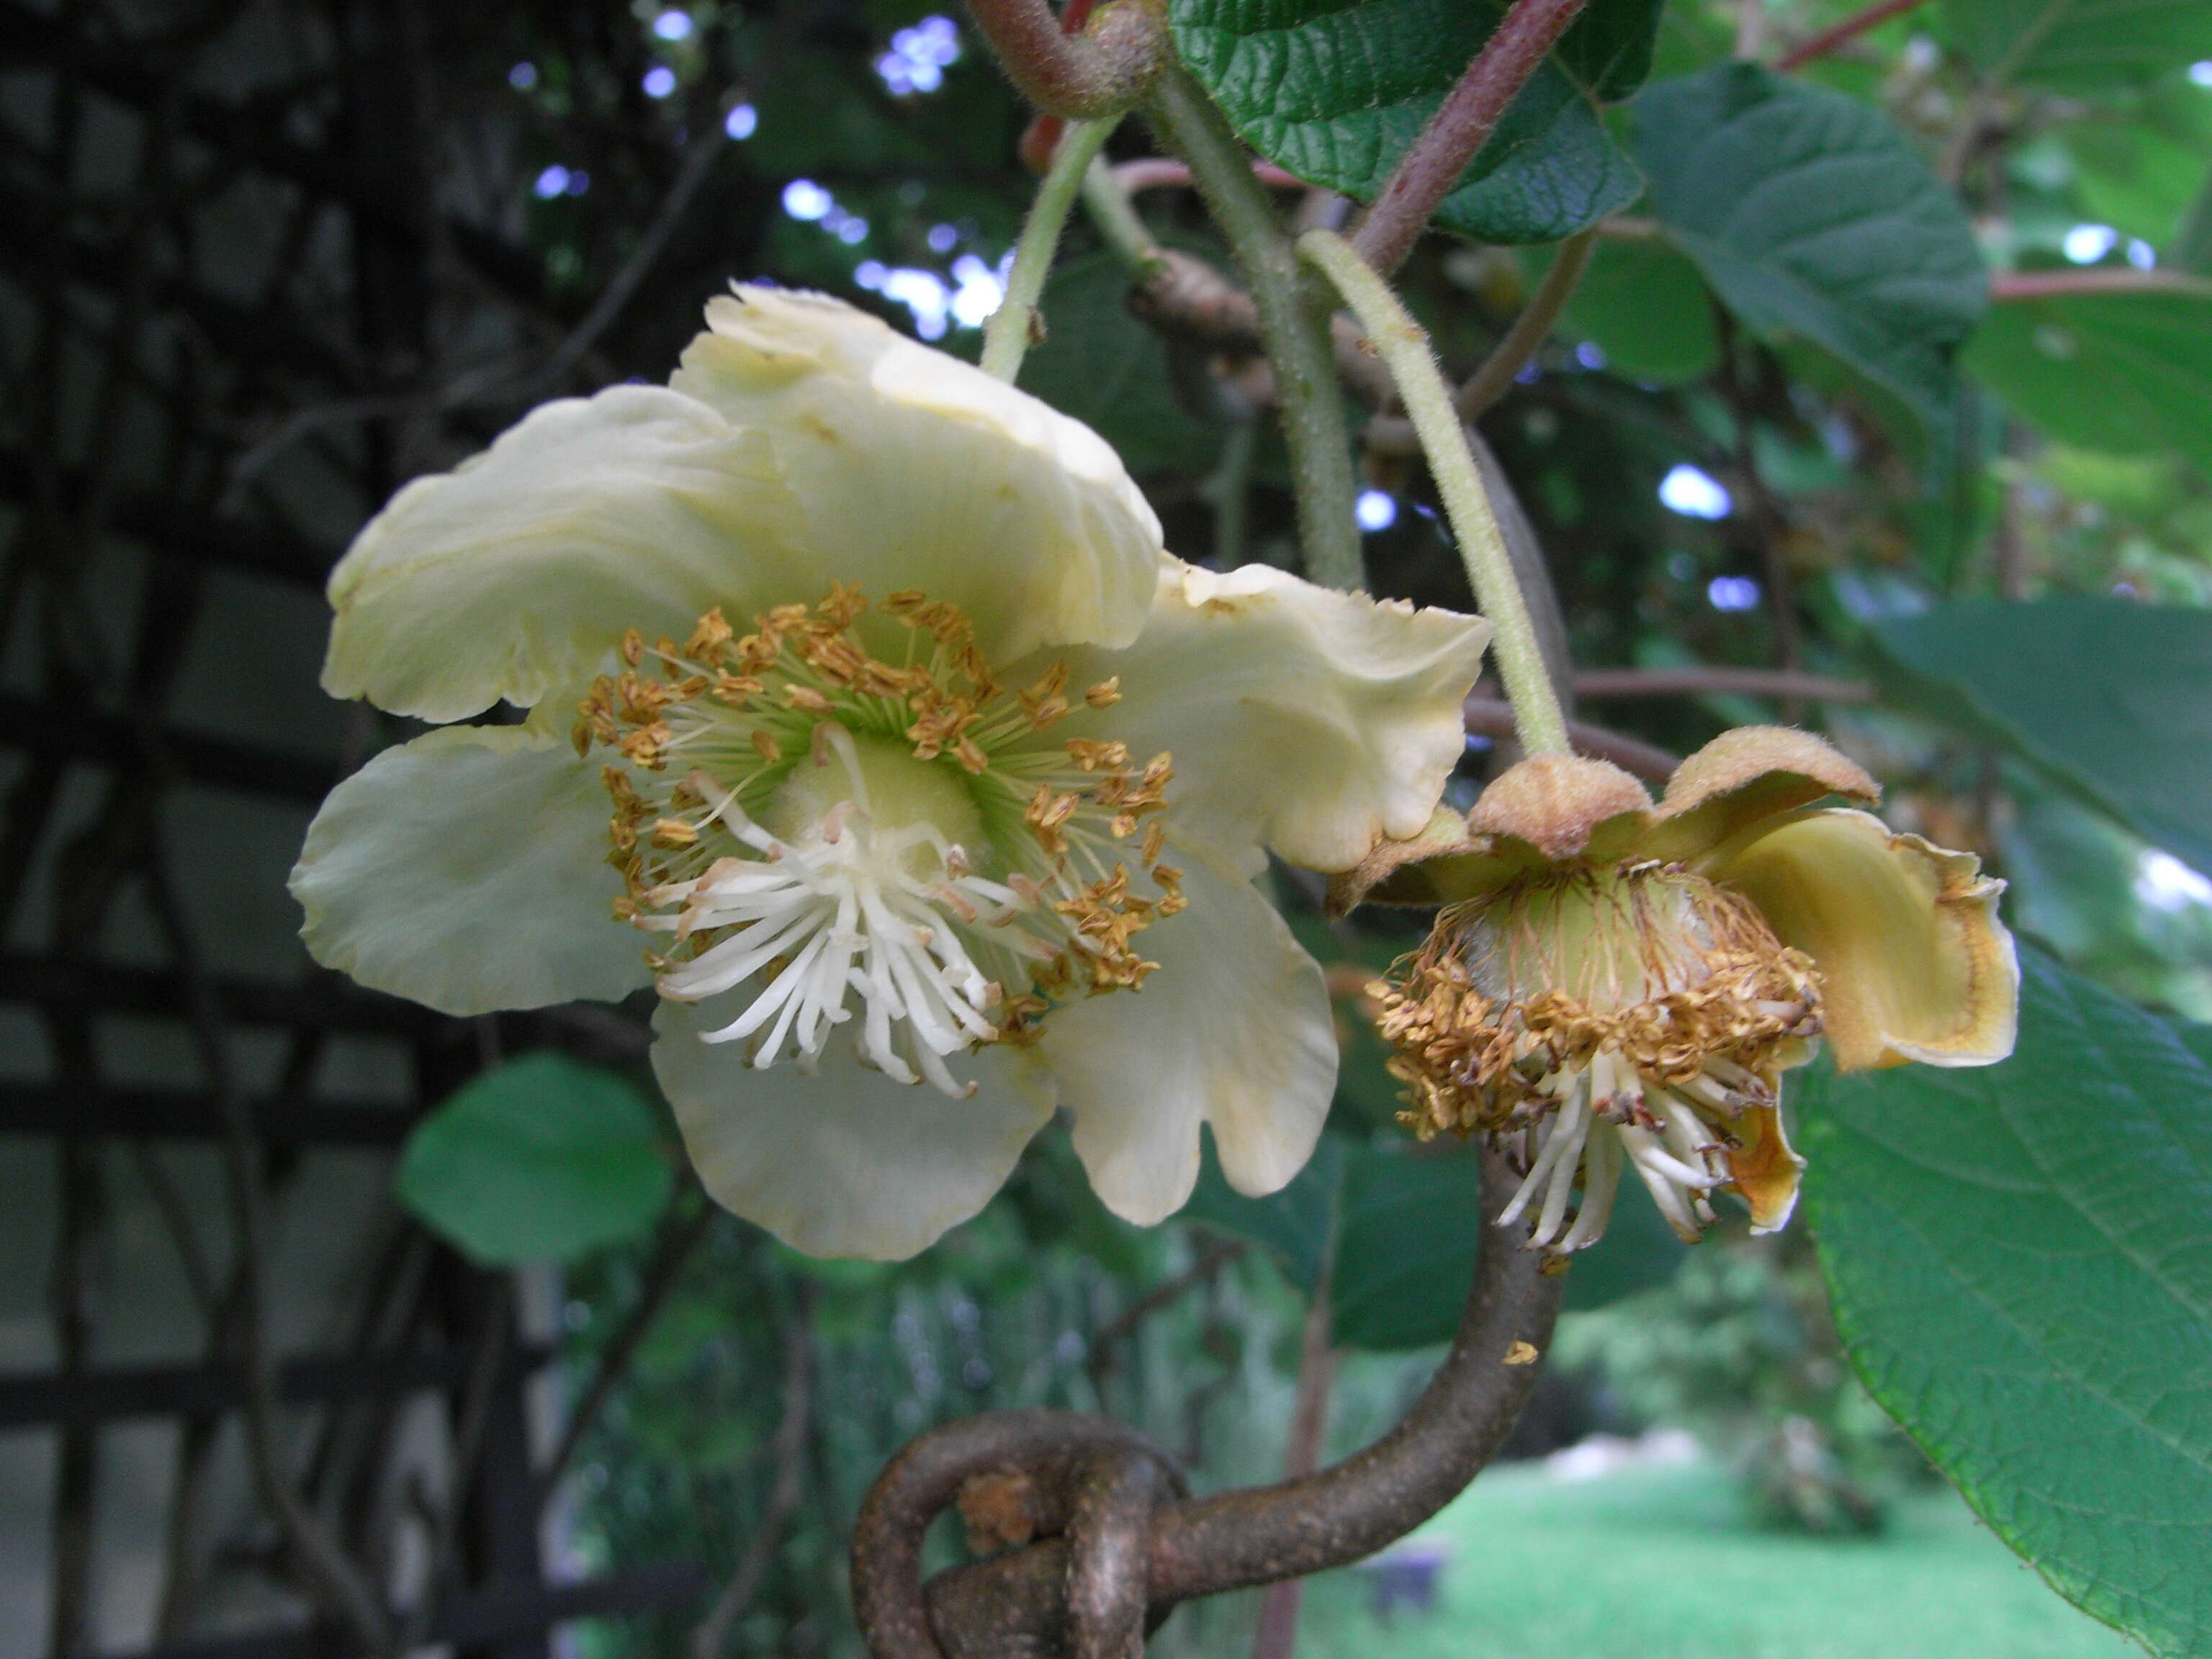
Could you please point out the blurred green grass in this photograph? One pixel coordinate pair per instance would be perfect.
(1663, 1564)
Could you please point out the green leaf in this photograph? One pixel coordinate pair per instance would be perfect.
(1296, 1226)
(1810, 213)
(1101, 365)
(1410, 1230)
(2125, 372)
(2110, 699)
(1336, 90)
(1610, 47)
(2079, 46)
(542, 1159)
(1406, 1227)
(2193, 241)
(2140, 175)
(1646, 308)
(1410, 1227)
(2020, 1267)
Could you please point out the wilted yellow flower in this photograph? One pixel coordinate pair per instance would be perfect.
(1612, 985)
(861, 684)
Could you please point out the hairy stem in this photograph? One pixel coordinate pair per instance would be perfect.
(1103, 71)
(1404, 347)
(1294, 333)
(1530, 329)
(1115, 218)
(1014, 324)
(1851, 28)
(1484, 717)
(2014, 287)
(1426, 173)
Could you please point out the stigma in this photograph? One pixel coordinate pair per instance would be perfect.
(889, 846)
(1592, 1023)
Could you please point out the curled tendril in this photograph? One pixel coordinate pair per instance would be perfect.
(1114, 1542)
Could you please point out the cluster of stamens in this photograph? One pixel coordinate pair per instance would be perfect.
(1587, 1021)
(790, 805)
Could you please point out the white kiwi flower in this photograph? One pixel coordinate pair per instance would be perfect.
(869, 719)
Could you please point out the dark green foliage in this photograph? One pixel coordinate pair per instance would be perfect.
(1336, 93)
(2128, 373)
(2112, 700)
(2020, 1265)
(2079, 45)
(1810, 213)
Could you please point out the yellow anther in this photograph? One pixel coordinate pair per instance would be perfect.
(843, 604)
(708, 639)
(1093, 755)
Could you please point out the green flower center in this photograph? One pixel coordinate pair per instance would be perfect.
(833, 827)
(1594, 1020)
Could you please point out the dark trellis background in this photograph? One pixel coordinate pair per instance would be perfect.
(260, 261)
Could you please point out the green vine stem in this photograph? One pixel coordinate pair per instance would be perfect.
(1530, 329)
(1115, 217)
(1294, 334)
(1404, 346)
(1007, 336)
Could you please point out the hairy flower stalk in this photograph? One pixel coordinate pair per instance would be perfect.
(860, 689)
(1613, 987)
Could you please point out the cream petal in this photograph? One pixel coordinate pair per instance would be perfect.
(1233, 1030)
(465, 870)
(1914, 964)
(519, 571)
(1764, 1169)
(1314, 722)
(846, 1163)
(915, 471)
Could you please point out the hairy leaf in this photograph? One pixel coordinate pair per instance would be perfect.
(2079, 46)
(2111, 699)
(2124, 372)
(1336, 90)
(2021, 1266)
(1810, 213)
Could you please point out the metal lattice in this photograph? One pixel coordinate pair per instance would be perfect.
(260, 261)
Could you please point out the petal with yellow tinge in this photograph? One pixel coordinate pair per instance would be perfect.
(1914, 962)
